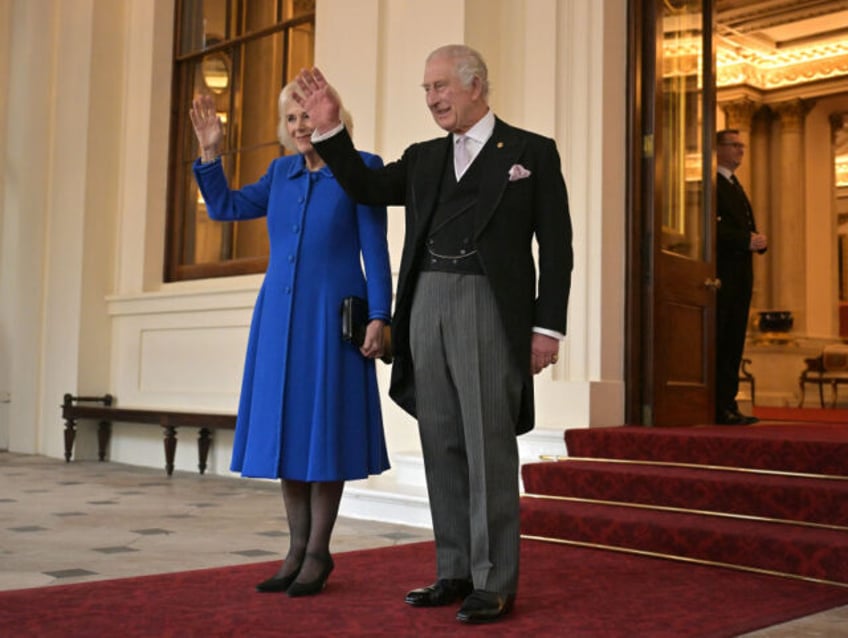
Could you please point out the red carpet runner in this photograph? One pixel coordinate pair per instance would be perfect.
(806, 415)
(564, 591)
(772, 497)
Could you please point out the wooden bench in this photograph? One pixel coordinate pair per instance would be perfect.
(746, 377)
(829, 368)
(101, 409)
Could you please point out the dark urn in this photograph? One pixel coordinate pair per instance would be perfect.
(775, 321)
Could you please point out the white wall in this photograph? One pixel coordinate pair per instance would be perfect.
(65, 90)
(29, 132)
(5, 336)
(90, 314)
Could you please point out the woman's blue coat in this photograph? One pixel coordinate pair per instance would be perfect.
(309, 408)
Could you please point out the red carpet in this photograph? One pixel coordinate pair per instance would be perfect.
(816, 553)
(804, 415)
(769, 497)
(564, 591)
(810, 448)
(812, 499)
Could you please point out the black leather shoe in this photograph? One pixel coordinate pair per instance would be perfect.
(733, 417)
(276, 583)
(485, 606)
(443, 592)
(315, 586)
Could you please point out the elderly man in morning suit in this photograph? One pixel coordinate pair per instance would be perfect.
(472, 321)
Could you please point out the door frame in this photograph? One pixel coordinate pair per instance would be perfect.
(644, 146)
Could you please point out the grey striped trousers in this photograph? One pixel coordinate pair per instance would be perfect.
(468, 394)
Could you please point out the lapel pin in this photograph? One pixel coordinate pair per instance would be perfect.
(500, 144)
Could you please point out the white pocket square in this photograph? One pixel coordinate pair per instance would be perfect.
(517, 171)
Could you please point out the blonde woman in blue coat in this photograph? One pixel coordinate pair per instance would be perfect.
(309, 411)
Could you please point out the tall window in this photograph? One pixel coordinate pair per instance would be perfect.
(242, 52)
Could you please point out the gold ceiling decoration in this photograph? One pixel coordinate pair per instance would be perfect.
(738, 64)
(773, 44)
(764, 44)
(681, 56)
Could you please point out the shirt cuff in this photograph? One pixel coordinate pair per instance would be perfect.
(316, 137)
(549, 333)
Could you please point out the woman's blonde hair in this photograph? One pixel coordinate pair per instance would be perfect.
(285, 101)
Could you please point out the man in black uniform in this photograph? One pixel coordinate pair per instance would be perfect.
(737, 240)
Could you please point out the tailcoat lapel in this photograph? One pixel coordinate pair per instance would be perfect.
(504, 151)
(425, 184)
(423, 192)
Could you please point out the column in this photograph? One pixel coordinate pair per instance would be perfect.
(759, 151)
(787, 239)
(738, 115)
(838, 123)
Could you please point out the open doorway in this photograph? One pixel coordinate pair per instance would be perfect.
(782, 81)
(778, 71)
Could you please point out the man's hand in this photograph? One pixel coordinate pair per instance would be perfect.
(758, 242)
(543, 352)
(318, 99)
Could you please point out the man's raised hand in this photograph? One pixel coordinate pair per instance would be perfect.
(318, 99)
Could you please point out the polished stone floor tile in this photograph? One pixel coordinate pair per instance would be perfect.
(64, 523)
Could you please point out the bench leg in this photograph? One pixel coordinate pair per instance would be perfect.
(170, 448)
(70, 435)
(821, 392)
(203, 441)
(104, 433)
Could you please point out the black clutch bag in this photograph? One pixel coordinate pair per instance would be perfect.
(354, 321)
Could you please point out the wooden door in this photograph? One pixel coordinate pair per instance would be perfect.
(677, 288)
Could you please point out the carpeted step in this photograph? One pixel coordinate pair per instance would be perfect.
(781, 548)
(820, 449)
(817, 500)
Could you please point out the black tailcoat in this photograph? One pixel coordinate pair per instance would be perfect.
(508, 215)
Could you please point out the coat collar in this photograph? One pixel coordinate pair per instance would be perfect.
(297, 168)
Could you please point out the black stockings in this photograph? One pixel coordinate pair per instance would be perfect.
(311, 509)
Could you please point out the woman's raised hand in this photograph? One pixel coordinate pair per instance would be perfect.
(207, 126)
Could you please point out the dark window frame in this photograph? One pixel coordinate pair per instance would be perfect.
(183, 146)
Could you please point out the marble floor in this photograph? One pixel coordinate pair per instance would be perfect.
(78, 522)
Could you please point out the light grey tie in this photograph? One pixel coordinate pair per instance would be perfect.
(461, 156)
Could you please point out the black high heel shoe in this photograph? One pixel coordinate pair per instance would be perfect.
(315, 586)
(277, 583)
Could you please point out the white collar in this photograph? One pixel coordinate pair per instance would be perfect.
(726, 172)
(482, 129)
